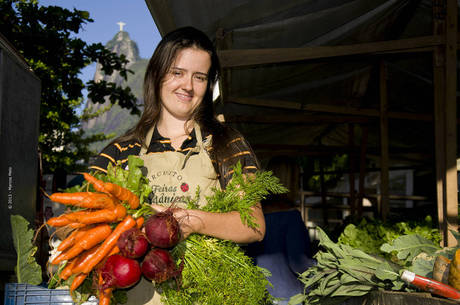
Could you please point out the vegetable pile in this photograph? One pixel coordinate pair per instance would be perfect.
(343, 271)
(116, 238)
(370, 234)
(106, 245)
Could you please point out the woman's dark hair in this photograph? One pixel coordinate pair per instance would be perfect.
(157, 68)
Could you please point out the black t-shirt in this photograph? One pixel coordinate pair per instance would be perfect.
(119, 152)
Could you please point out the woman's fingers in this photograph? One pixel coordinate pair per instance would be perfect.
(158, 208)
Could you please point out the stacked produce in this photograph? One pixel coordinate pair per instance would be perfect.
(117, 238)
(344, 271)
(107, 244)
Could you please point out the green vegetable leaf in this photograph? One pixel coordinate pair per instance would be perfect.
(243, 192)
(409, 246)
(297, 299)
(342, 272)
(423, 265)
(27, 270)
(386, 272)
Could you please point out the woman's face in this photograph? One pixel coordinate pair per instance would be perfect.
(184, 86)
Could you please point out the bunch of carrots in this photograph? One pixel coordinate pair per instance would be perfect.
(93, 239)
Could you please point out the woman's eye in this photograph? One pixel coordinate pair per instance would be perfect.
(201, 78)
(176, 72)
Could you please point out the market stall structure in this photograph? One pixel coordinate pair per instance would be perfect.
(373, 80)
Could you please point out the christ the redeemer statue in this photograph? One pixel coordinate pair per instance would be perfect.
(121, 24)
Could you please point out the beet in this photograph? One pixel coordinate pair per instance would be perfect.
(158, 266)
(133, 243)
(162, 230)
(120, 272)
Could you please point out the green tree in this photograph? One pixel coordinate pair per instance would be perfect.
(46, 38)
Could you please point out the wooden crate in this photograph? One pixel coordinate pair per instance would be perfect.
(399, 298)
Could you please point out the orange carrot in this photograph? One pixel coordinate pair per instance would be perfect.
(79, 278)
(139, 222)
(122, 194)
(83, 259)
(76, 225)
(115, 250)
(108, 244)
(104, 294)
(85, 200)
(89, 217)
(97, 184)
(67, 271)
(70, 240)
(58, 221)
(88, 240)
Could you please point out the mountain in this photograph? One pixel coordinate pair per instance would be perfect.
(117, 120)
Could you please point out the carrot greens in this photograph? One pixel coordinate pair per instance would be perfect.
(218, 271)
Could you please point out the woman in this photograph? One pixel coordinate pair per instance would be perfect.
(181, 142)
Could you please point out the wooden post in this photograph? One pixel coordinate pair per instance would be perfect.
(351, 156)
(383, 209)
(223, 42)
(362, 169)
(445, 117)
(323, 193)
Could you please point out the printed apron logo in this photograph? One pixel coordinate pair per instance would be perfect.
(184, 187)
(166, 192)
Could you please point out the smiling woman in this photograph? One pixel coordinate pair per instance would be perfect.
(184, 147)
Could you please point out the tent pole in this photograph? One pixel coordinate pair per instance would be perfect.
(351, 156)
(362, 169)
(384, 155)
(445, 113)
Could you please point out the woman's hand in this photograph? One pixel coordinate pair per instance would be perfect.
(187, 221)
(221, 225)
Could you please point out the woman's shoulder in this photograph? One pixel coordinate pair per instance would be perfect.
(115, 152)
(124, 146)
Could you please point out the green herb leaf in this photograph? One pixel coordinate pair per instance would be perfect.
(27, 270)
(243, 192)
(297, 299)
(409, 246)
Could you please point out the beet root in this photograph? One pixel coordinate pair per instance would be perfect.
(133, 243)
(162, 230)
(159, 266)
(120, 272)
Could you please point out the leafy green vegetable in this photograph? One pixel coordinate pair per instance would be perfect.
(27, 270)
(343, 272)
(423, 263)
(254, 187)
(409, 246)
(218, 271)
(370, 234)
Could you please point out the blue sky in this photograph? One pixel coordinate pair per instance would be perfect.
(106, 14)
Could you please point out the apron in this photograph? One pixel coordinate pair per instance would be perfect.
(174, 178)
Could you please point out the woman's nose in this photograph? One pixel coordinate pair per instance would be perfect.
(187, 83)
